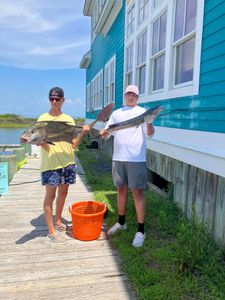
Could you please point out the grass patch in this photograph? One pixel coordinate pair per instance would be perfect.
(178, 259)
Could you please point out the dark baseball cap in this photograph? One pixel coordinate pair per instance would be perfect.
(57, 92)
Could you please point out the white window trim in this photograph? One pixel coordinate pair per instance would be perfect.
(125, 64)
(114, 81)
(88, 98)
(169, 91)
(95, 91)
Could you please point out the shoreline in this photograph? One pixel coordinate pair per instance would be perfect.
(13, 125)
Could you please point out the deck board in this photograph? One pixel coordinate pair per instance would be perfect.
(31, 267)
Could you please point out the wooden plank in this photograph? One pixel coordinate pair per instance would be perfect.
(209, 200)
(219, 227)
(31, 267)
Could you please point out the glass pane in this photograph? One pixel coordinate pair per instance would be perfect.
(179, 20)
(158, 82)
(112, 68)
(111, 92)
(140, 15)
(191, 12)
(142, 48)
(139, 50)
(141, 79)
(155, 37)
(129, 78)
(185, 61)
(162, 36)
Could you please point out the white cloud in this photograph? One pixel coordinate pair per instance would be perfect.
(43, 34)
(74, 102)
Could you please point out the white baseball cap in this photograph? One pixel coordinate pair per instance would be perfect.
(132, 89)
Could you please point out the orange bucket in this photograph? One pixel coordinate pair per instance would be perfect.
(87, 218)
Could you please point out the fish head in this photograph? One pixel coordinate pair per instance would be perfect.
(34, 134)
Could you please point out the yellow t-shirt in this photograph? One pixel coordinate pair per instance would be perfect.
(61, 154)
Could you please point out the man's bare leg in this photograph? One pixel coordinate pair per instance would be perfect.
(122, 193)
(47, 206)
(60, 201)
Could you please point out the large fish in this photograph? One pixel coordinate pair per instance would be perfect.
(56, 131)
(147, 117)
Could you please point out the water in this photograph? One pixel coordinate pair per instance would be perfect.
(10, 135)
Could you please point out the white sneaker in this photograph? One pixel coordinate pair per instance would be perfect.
(139, 239)
(116, 227)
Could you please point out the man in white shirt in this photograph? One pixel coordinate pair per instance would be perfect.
(129, 162)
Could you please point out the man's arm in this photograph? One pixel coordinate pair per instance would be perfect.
(104, 132)
(77, 141)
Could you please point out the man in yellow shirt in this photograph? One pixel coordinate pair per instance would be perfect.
(58, 166)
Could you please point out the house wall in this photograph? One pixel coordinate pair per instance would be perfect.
(103, 49)
(194, 163)
(193, 189)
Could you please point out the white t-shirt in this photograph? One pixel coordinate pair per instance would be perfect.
(130, 143)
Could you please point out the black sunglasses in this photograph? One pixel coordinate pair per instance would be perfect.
(55, 98)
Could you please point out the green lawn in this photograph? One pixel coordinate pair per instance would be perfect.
(178, 259)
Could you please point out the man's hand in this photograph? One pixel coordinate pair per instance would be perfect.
(85, 130)
(150, 130)
(44, 145)
(104, 133)
(41, 143)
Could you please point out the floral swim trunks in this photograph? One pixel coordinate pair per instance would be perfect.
(57, 177)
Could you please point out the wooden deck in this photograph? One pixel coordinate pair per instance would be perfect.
(31, 267)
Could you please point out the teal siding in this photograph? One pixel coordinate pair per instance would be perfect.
(103, 49)
(206, 111)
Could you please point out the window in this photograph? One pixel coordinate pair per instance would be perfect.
(184, 40)
(141, 61)
(129, 64)
(88, 97)
(130, 21)
(96, 91)
(158, 52)
(143, 10)
(167, 65)
(110, 82)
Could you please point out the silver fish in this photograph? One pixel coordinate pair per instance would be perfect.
(56, 131)
(147, 117)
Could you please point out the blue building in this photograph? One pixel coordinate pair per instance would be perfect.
(174, 50)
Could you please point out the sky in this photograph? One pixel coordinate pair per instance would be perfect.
(42, 44)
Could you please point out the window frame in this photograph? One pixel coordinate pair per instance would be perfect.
(111, 81)
(129, 72)
(97, 90)
(88, 96)
(142, 64)
(170, 91)
(180, 41)
(131, 7)
(158, 54)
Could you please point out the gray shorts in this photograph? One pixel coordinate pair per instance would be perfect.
(133, 174)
